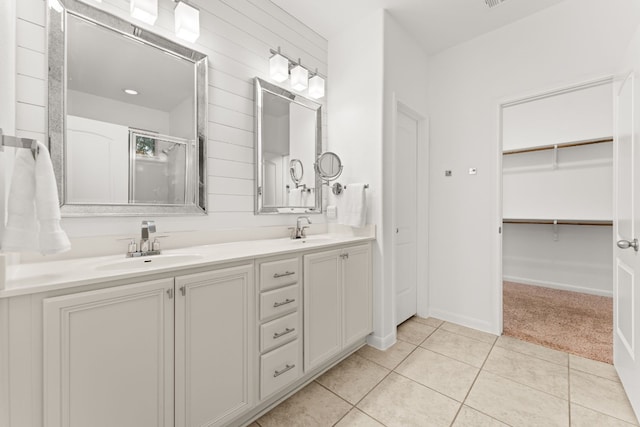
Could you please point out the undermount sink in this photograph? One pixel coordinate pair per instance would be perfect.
(139, 263)
(312, 239)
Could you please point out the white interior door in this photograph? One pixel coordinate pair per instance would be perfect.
(405, 215)
(627, 258)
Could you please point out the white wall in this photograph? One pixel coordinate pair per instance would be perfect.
(574, 41)
(579, 258)
(579, 187)
(109, 110)
(236, 35)
(405, 82)
(355, 126)
(363, 63)
(572, 116)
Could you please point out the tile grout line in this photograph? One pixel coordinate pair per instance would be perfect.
(532, 355)
(390, 372)
(569, 387)
(462, 404)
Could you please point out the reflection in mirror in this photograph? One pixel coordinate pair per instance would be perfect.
(288, 141)
(127, 114)
(296, 170)
(159, 169)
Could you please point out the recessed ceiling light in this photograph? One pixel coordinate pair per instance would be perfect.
(130, 91)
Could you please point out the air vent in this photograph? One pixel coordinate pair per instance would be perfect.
(494, 3)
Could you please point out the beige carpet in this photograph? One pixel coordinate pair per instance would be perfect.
(577, 323)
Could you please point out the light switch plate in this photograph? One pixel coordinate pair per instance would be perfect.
(473, 171)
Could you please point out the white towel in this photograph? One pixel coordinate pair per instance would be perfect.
(352, 206)
(33, 222)
(295, 196)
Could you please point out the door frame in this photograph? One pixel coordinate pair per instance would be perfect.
(422, 212)
(497, 244)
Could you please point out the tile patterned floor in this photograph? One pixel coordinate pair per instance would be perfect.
(442, 374)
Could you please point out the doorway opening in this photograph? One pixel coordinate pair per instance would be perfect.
(557, 208)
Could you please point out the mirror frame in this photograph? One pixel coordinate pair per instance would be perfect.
(262, 86)
(57, 108)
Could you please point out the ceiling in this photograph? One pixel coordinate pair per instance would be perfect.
(102, 62)
(436, 24)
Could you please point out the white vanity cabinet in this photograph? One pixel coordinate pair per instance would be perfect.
(108, 357)
(337, 302)
(213, 344)
(111, 355)
(280, 323)
(214, 340)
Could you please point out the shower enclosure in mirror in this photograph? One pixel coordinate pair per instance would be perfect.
(127, 117)
(288, 141)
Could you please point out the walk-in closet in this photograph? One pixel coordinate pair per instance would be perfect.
(557, 219)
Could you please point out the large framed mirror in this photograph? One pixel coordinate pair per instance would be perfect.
(288, 141)
(127, 116)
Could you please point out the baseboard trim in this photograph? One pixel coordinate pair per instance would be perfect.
(560, 286)
(469, 322)
(382, 343)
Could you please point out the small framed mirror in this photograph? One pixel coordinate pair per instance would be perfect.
(329, 166)
(288, 140)
(296, 170)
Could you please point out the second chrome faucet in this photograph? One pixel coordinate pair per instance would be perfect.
(146, 247)
(299, 231)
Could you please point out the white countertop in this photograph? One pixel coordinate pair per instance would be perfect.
(24, 279)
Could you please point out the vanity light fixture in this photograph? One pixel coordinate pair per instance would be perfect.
(144, 10)
(187, 21)
(299, 77)
(278, 67)
(316, 86)
(130, 91)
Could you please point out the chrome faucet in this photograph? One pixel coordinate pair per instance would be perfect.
(148, 228)
(146, 247)
(299, 231)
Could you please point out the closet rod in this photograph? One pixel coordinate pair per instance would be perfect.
(564, 145)
(559, 222)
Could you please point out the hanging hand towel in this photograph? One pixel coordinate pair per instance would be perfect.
(33, 222)
(352, 206)
(295, 196)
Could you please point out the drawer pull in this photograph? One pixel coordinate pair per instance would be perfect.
(285, 302)
(285, 274)
(282, 371)
(277, 335)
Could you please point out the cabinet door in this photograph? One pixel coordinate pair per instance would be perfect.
(356, 294)
(214, 339)
(109, 357)
(322, 308)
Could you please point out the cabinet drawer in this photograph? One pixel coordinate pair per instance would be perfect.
(278, 301)
(278, 332)
(279, 368)
(276, 274)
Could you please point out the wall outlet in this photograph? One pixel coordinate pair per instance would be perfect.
(473, 171)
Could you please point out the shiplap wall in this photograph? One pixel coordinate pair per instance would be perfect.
(236, 35)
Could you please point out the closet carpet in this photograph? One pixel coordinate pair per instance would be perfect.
(573, 322)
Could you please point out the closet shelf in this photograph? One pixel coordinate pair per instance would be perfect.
(563, 145)
(601, 223)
